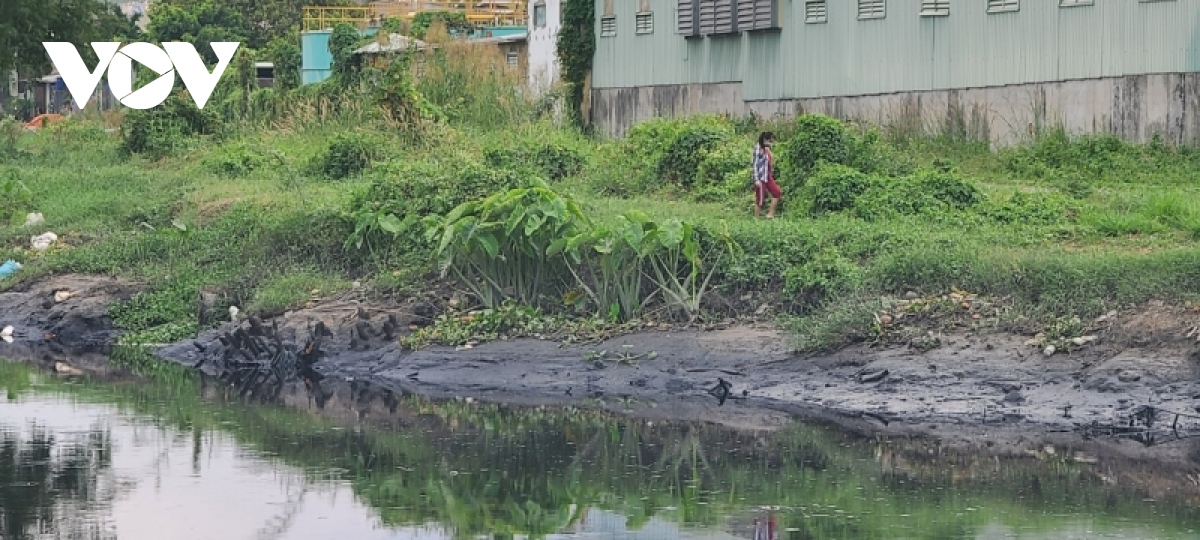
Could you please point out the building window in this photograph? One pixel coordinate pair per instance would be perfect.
(513, 58)
(815, 12)
(1003, 6)
(539, 15)
(644, 23)
(871, 9)
(687, 18)
(608, 26)
(935, 8)
(696, 18)
(1073, 3)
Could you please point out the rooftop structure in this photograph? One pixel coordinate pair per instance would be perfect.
(482, 12)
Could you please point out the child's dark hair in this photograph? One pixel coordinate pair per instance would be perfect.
(764, 137)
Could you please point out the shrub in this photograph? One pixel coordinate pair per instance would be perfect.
(77, 133)
(766, 258)
(15, 198)
(683, 155)
(454, 21)
(553, 160)
(826, 274)
(815, 138)
(615, 171)
(1029, 209)
(950, 189)
(731, 157)
(164, 129)
(10, 133)
(402, 194)
(1070, 161)
(920, 194)
(651, 141)
(836, 187)
(433, 187)
(875, 156)
(235, 160)
(348, 154)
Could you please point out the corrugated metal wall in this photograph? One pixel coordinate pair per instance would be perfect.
(904, 51)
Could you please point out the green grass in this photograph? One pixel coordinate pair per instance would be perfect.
(1066, 226)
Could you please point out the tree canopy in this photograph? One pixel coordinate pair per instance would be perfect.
(254, 22)
(25, 24)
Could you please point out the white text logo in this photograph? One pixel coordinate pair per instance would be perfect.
(172, 57)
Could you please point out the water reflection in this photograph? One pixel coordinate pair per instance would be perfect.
(86, 459)
(82, 470)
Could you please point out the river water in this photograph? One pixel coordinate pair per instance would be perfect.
(170, 458)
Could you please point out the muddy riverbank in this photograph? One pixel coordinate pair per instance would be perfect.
(993, 390)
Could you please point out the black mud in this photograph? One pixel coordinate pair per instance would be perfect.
(995, 391)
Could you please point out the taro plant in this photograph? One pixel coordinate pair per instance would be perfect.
(612, 259)
(370, 225)
(682, 268)
(498, 246)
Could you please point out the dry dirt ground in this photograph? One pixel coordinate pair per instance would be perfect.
(957, 384)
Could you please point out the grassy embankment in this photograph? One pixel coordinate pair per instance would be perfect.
(265, 197)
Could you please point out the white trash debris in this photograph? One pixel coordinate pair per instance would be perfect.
(63, 296)
(233, 313)
(42, 242)
(67, 369)
(34, 218)
(6, 334)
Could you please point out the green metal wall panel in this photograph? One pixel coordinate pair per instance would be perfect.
(970, 48)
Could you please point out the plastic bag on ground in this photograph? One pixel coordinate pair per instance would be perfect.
(9, 268)
(42, 242)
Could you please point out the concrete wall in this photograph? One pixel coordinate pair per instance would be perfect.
(543, 46)
(904, 51)
(1133, 107)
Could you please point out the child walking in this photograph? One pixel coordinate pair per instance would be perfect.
(764, 175)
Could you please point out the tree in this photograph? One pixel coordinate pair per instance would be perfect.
(263, 21)
(286, 57)
(342, 43)
(25, 24)
(454, 21)
(198, 23)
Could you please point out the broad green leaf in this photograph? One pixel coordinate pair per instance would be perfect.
(533, 223)
(670, 233)
(390, 223)
(459, 210)
(557, 246)
(636, 216)
(514, 221)
(490, 245)
(447, 238)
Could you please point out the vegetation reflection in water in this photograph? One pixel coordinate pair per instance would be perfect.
(483, 469)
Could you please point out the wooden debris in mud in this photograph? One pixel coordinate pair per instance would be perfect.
(1148, 425)
(257, 362)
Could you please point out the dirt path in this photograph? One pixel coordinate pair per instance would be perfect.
(994, 390)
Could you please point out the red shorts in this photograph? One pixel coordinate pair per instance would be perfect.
(762, 188)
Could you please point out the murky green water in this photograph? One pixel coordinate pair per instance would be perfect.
(166, 460)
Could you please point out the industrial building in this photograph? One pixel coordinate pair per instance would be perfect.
(988, 68)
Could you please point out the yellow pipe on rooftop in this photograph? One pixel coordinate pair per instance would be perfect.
(318, 17)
